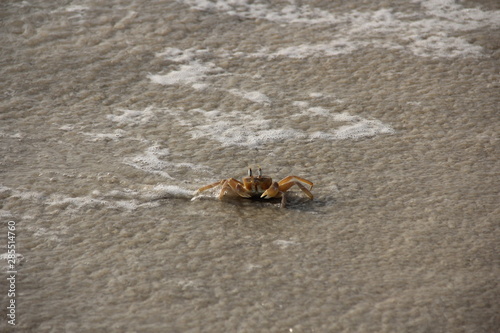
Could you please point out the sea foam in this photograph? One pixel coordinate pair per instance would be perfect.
(155, 160)
(124, 199)
(254, 96)
(426, 32)
(190, 70)
(240, 129)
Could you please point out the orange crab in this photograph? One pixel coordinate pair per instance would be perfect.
(260, 187)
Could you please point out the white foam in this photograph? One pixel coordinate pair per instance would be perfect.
(133, 116)
(362, 129)
(126, 199)
(445, 47)
(154, 161)
(240, 129)
(131, 205)
(285, 243)
(51, 200)
(177, 55)
(191, 73)
(67, 127)
(318, 110)
(251, 267)
(126, 20)
(316, 95)
(6, 256)
(300, 104)
(172, 191)
(464, 18)
(424, 32)
(47, 234)
(357, 128)
(116, 135)
(17, 135)
(76, 202)
(344, 116)
(5, 214)
(28, 195)
(334, 48)
(243, 130)
(200, 86)
(191, 69)
(287, 14)
(150, 161)
(76, 8)
(254, 96)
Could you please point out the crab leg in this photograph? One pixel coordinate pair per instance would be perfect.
(305, 190)
(290, 178)
(207, 187)
(235, 186)
(274, 191)
(286, 186)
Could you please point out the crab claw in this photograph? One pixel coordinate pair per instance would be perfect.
(272, 192)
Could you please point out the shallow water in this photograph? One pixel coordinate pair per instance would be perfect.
(113, 114)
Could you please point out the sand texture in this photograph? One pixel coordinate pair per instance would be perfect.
(113, 113)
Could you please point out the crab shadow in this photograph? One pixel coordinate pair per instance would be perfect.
(293, 203)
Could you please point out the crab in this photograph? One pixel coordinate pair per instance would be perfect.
(260, 187)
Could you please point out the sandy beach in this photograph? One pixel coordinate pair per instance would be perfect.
(114, 113)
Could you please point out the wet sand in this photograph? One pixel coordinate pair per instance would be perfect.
(113, 115)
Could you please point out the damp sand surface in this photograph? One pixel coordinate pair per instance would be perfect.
(113, 114)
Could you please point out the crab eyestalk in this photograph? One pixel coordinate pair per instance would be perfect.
(260, 172)
(249, 172)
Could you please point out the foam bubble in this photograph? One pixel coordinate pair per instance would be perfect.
(153, 161)
(126, 199)
(319, 111)
(72, 204)
(285, 243)
(178, 55)
(76, 202)
(361, 129)
(116, 135)
(17, 135)
(47, 234)
(172, 191)
(67, 127)
(287, 14)
(301, 104)
(133, 116)
(254, 96)
(128, 202)
(200, 86)
(316, 95)
(464, 18)
(334, 48)
(150, 161)
(187, 74)
(76, 8)
(6, 256)
(445, 47)
(191, 70)
(357, 128)
(344, 116)
(28, 195)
